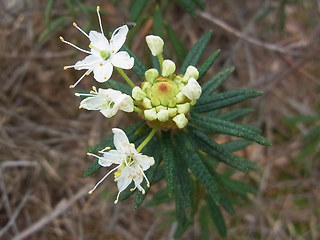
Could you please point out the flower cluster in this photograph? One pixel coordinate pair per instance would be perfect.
(163, 99)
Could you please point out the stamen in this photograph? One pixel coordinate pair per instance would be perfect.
(148, 183)
(115, 201)
(105, 176)
(75, 25)
(103, 150)
(69, 43)
(85, 74)
(98, 12)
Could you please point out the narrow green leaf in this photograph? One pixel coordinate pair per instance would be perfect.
(47, 12)
(178, 47)
(235, 114)
(188, 5)
(159, 197)
(214, 83)
(196, 52)
(238, 187)
(54, 26)
(207, 64)
(218, 152)
(155, 63)
(158, 22)
(168, 161)
(159, 175)
(122, 87)
(303, 119)
(136, 9)
(236, 145)
(309, 149)
(226, 127)
(224, 99)
(183, 196)
(196, 165)
(314, 133)
(204, 223)
(216, 216)
(138, 68)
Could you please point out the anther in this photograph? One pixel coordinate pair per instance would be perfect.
(61, 38)
(71, 86)
(91, 191)
(65, 68)
(100, 64)
(148, 185)
(74, 24)
(115, 201)
(98, 8)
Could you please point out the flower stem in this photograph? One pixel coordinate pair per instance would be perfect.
(145, 142)
(160, 59)
(138, 110)
(124, 75)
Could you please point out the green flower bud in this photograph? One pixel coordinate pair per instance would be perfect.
(180, 120)
(160, 108)
(155, 44)
(138, 94)
(151, 74)
(168, 68)
(191, 72)
(183, 108)
(178, 80)
(180, 97)
(155, 102)
(192, 90)
(163, 115)
(150, 114)
(146, 103)
(172, 112)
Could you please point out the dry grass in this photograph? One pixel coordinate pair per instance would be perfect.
(43, 135)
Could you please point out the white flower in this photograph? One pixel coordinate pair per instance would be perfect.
(168, 68)
(107, 101)
(103, 54)
(155, 44)
(130, 164)
(192, 89)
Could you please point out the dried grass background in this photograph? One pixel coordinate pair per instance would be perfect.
(44, 136)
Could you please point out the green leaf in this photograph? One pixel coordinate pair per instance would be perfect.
(197, 167)
(238, 187)
(236, 145)
(188, 5)
(229, 128)
(158, 22)
(168, 161)
(212, 148)
(225, 99)
(214, 83)
(124, 88)
(53, 26)
(314, 133)
(138, 68)
(159, 197)
(207, 64)
(177, 45)
(235, 114)
(303, 119)
(216, 216)
(204, 223)
(196, 52)
(136, 9)
(155, 63)
(47, 11)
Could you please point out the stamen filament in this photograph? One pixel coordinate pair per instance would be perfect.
(122, 73)
(75, 25)
(105, 176)
(160, 59)
(138, 110)
(148, 183)
(85, 74)
(98, 12)
(76, 47)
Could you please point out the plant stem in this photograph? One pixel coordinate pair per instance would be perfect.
(138, 110)
(160, 59)
(124, 75)
(145, 142)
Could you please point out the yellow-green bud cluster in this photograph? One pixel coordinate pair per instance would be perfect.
(167, 98)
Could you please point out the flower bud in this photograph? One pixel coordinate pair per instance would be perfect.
(192, 90)
(150, 114)
(151, 74)
(191, 72)
(180, 120)
(168, 68)
(172, 112)
(155, 44)
(163, 115)
(138, 94)
(146, 103)
(183, 108)
(180, 97)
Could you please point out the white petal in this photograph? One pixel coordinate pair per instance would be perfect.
(120, 140)
(111, 157)
(124, 103)
(99, 41)
(87, 63)
(137, 181)
(124, 180)
(192, 90)
(93, 103)
(113, 94)
(119, 37)
(104, 72)
(122, 60)
(144, 161)
(109, 112)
